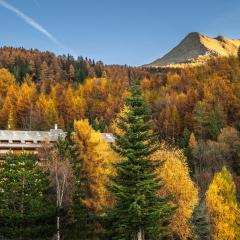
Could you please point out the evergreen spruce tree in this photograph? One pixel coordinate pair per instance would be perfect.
(201, 120)
(140, 212)
(184, 139)
(200, 222)
(25, 209)
(216, 122)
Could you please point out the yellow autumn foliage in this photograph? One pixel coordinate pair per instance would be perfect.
(114, 126)
(223, 208)
(177, 182)
(5, 112)
(46, 111)
(6, 80)
(25, 104)
(96, 157)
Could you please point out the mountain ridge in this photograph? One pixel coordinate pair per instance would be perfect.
(196, 48)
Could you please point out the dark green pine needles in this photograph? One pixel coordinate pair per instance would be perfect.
(200, 222)
(140, 212)
(26, 212)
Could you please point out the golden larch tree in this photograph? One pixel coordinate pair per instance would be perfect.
(46, 112)
(13, 94)
(25, 104)
(51, 114)
(7, 112)
(39, 113)
(96, 157)
(177, 182)
(223, 207)
(6, 80)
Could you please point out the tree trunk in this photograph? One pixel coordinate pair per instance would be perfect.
(140, 234)
(58, 228)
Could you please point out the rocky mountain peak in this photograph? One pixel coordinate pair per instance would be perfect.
(196, 46)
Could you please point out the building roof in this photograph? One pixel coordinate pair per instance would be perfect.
(34, 139)
(28, 139)
(109, 137)
(35, 136)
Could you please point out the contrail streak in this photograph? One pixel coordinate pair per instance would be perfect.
(30, 21)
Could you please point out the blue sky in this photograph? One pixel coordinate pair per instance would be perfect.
(132, 32)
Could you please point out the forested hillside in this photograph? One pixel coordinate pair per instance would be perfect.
(196, 119)
(74, 89)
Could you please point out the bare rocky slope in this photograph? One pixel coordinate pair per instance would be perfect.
(196, 48)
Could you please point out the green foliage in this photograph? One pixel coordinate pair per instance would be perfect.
(216, 122)
(200, 222)
(25, 209)
(200, 117)
(80, 219)
(99, 125)
(208, 124)
(138, 208)
(237, 125)
(184, 139)
(20, 69)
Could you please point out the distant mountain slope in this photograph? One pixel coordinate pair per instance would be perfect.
(196, 47)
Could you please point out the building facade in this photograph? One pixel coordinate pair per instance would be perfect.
(27, 141)
(30, 142)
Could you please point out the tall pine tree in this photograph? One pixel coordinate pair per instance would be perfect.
(26, 211)
(139, 212)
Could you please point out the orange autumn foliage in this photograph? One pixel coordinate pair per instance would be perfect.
(96, 159)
